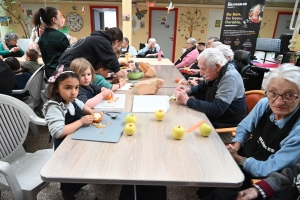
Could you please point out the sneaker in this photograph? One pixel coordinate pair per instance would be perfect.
(84, 195)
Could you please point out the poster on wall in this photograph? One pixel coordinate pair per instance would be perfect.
(241, 25)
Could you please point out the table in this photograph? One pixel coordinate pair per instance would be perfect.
(151, 61)
(166, 72)
(149, 157)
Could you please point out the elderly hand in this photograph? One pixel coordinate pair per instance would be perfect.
(181, 96)
(193, 82)
(233, 149)
(251, 193)
(149, 55)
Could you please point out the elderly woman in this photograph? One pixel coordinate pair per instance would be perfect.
(189, 56)
(274, 125)
(221, 96)
(9, 47)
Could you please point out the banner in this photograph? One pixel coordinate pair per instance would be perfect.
(241, 23)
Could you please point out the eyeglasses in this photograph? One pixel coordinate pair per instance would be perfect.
(188, 43)
(287, 97)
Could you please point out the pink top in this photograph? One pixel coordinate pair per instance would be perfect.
(189, 59)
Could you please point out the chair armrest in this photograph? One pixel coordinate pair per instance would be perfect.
(11, 179)
(226, 130)
(18, 91)
(37, 120)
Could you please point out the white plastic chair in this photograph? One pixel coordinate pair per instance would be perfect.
(24, 43)
(19, 171)
(34, 87)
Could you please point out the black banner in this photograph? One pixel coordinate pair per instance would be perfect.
(241, 23)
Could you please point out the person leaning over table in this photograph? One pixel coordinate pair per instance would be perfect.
(278, 185)
(98, 47)
(189, 56)
(274, 127)
(221, 96)
(150, 50)
(9, 47)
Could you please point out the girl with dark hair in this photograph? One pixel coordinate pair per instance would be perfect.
(98, 47)
(52, 43)
(64, 115)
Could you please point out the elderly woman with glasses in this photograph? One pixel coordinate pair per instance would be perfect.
(189, 56)
(9, 47)
(273, 127)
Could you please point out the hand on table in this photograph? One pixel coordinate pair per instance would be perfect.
(181, 95)
(233, 149)
(193, 82)
(106, 92)
(251, 193)
(87, 119)
(122, 73)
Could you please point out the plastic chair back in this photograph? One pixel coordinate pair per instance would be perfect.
(252, 97)
(34, 84)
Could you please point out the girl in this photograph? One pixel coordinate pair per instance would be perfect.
(52, 43)
(64, 115)
(254, 15)
(89, 93)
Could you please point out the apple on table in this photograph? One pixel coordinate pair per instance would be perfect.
(130, 118)
(205, 129)
(130, 129)
(178, 132)
(160, 115)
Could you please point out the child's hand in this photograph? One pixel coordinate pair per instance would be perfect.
(106, 92)
(87, 119)
(122, 82)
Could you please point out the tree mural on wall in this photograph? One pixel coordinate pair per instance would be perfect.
(16, 17)
(191, 20)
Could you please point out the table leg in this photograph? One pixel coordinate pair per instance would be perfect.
(134, 190)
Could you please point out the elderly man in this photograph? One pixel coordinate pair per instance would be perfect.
(126, 48)
(210, 41)
(189, 56)
(200, 47)
(150, 50)
(221, 96)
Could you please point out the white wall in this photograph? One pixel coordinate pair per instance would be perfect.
(110, 19)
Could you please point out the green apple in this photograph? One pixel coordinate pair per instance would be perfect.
(178, 132)
(130, 128)
(205, 129)
(159, 115)
(130, 118)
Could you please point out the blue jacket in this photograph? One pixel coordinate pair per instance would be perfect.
(287, 155)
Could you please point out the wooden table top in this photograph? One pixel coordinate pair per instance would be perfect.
(166, 72)
(150, 157)
(151, 61)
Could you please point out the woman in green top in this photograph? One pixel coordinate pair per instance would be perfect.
(52, 42)
(9, 47)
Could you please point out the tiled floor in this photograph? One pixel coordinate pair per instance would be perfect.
(104, 192)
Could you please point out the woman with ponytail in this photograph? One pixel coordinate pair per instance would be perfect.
(98, 47)
(52, 43)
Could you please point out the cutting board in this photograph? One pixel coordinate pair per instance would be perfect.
(117, 102)
(110, 133)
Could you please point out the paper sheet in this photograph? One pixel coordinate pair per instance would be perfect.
(126, 86)
(117, 102)
(150, 103)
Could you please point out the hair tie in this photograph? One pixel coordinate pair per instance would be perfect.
(52, 79)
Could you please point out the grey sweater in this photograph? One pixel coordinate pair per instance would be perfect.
(55, 112)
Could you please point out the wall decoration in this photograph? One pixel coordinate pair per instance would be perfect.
(83, 10)
(170, 7)
(140, 14)
(150, 4)
(217, 23)
(3, 21)
(142, 24)
(29, 13)
(9, 19)
(287, 24)
(192, 19)
(74, 21)
(74, 7)
(167, 26)
(126, 17)
(162, 20)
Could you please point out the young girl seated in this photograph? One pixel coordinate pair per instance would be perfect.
(102, 73)
(89, 93)
(64, 115)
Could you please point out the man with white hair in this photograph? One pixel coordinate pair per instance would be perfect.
(150, 50)
(189, 56)
(221, 96)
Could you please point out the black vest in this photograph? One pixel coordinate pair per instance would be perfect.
(124, 52)
(227, 119)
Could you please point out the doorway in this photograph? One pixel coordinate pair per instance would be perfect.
(104, 16)
(283, 24)
(215, 23)
(162, 27)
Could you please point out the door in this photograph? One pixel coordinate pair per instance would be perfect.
(163, 28)
(283, 24)
(103, 16)
(215, 23)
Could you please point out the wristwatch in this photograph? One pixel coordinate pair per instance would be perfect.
(241, 163)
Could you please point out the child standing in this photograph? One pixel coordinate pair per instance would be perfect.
(102, 73)
(89, 93)
(21, 78)
(64, 115)
(52, 43)
(31, 64)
